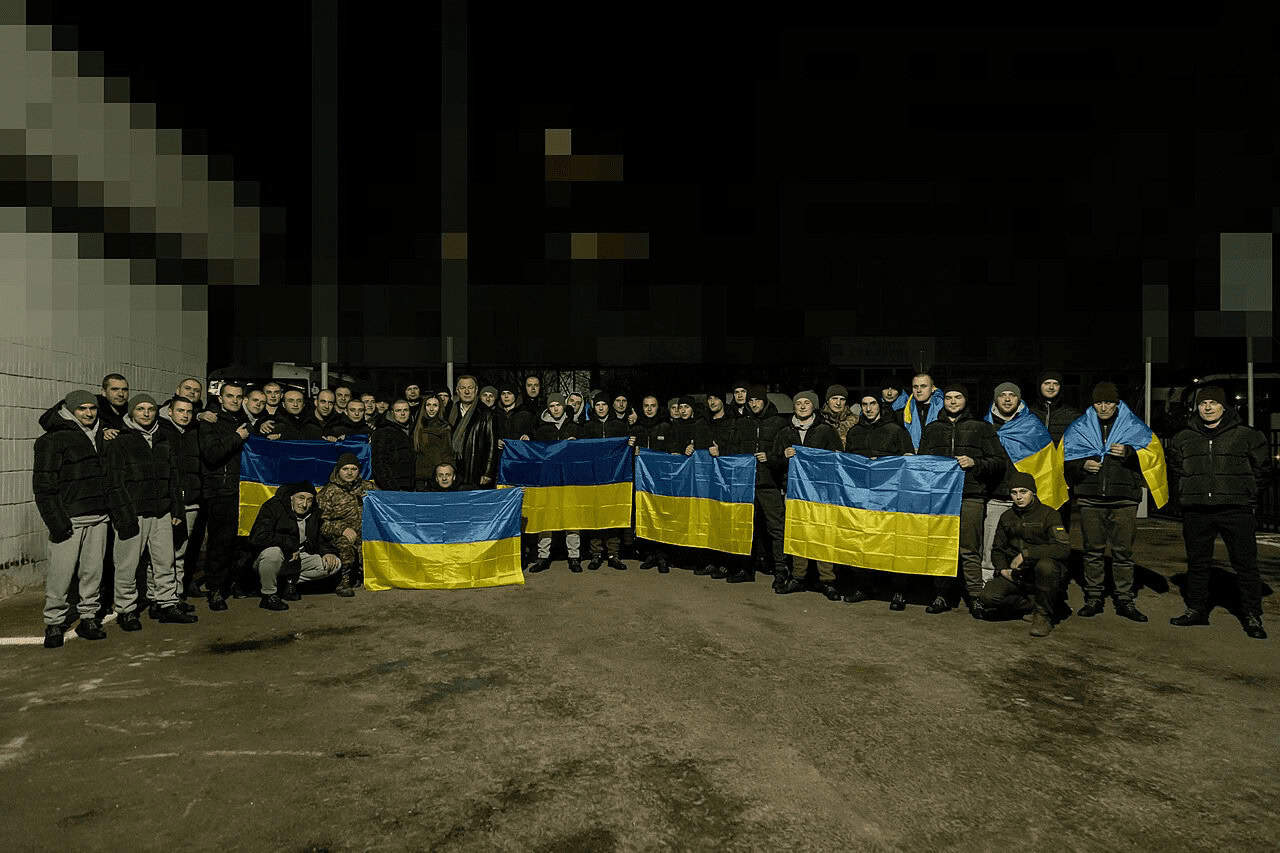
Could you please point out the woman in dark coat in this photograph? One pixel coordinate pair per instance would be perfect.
(432, 443)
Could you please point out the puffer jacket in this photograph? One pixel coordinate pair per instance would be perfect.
(967, 436)
(820, 435)
(186, 443)
(885, 436)
(147, 474)
(1055, 414)
(393, 457)
(548, 430)
(1118, 481)
(220, 455)
(756, 434)
(517, 422)
(1227, 465)
(607, 428)
(69, 479)
(341, 506)
(277, 526)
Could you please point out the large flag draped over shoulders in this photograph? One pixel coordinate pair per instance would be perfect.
(1031, 448)
(700, 500)
(441, 540)
(584, 484)
(912, 422)
(896, 513)
(1083, 440)
(266, 465)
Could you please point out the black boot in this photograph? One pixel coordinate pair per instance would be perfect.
(703, 571)
(616, 563)
(830, 592)
(538, 566)
(663, 568)
(784, 585)
(129, 621)
(898, 602)
(53, 636)
(1253, 626)
(289, 590)
(938, 605)
(1130, 611)
(217, 602)
(1091, 608)
(174, 615)
(649, 562)
(855, 596)
(575, 565)
(594, 564)
(272, 602)
(347, 585)
(1189, 618)
(742, 575)
(90, 629)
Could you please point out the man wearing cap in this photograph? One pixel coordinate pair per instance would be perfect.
(971, 442)
(756, 434)
(805, 429)
(1108, 490)
(220, 444)
(489, 396)
(1005, 403)
(1030, 552)
(143, 463)
(877, 433)
(1056, 415)
(286, 535)
(557, 424)
(605, 545)
(1221, 466)
(341, 502)
(836, 412)
(77, 503)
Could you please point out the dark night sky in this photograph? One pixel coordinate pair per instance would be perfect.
(1003, 186)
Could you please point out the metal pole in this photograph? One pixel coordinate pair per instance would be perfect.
(448, 362)
(1248, 354)
(324, 179)
(454, 304)
(1147, 403)
(324, 363)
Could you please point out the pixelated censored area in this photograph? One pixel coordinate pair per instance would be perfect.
(110, 236)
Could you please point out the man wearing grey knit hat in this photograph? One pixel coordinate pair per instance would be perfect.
(805, 429)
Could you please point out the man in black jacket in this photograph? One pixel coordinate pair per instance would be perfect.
(290, 422)
(475, 440)
(113, 402)
(274, 392)
(143, 464)
(557, 424)
(77, 504)
(1221, 466)
(1056, 415)
(220, 444)
(972, 443)
(604, 545)
(323, 415)
(351, 423)
(877, 433)
(737, 402)
(806, 429)
(675, 436)
(1108, 491)
(393, 457)
(755, 435)
(717, 435)
(183, 434)
(1029, 552)
(286, 535)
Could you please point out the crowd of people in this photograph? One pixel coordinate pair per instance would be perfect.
(148, 491)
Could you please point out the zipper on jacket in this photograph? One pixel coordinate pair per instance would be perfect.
(1211, 465)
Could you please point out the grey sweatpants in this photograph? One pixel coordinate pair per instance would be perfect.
(269, 563)
(995, 509)
(180, 550)
(572, 543)
(87, 546)
(156, 535)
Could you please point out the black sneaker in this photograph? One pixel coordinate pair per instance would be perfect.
(186, 607)
(788, 586)
(217, 603)
(938, 605)
(289, 590)
(830, 592)
(129, 621)
(1253, 626)
(898, 602)
(174, 615)
(1091, 608)
(649, 563)
(719, 573)
(594, 564)
(741, 576)
(1190, 617)
(238, 591)
(53, 636)
(978, 610)
(1131, 612)
(663, 568)
(272, 602)
(616, 563)
(538, 566)
(703, 571)
(856, 596)
(90, 629)
(153, 610)
(575, 566)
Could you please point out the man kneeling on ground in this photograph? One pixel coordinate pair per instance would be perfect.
(286, 534)
(1029, 555)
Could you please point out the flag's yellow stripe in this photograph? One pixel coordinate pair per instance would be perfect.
(577, 507)
(453, 566)
(906, 542)
(252, 497)
(1051, 484)
(695, 522)
(1154, 471)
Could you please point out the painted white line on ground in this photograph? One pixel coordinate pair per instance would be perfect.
(39, 641)
(227, 753)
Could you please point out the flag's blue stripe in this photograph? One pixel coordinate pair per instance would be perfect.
(581, 462)
(728, 479)
(924, 485)
(1083, 437)
(442, 518)
(1022, 436)
(275, 463)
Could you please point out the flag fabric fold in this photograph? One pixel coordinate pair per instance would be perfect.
(441, 540)
(700, 501)
(1083, 440)
(266, 465)
(584, 484)
(912, 423)
(895, 513)
(1032, 451)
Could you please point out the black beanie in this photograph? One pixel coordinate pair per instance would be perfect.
(1022, 480)
(739, 383)
(1055, 375)
(870, 392)
(1211, 392)
(347, 459)
(600, 397)
(955, 386)
(757, 392)
(1106, 392)
(685, 401)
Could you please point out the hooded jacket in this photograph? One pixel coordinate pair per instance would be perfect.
(885, 436)
(432, 446)
(967, 436)
(277, 526)
(146, 472)
(220, 455)
(673, 436)
(756, 434)
(69, 478)
(549, 430)
(341, 504)
(1227, 465)
(1054, 414)
(393, 458)
(108, 415)
(1035, 532)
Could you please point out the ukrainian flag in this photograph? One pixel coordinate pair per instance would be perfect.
(441, 540)
(1031, 448)
(265, 465)
(1083, 440)
(895, 513)
(914, 427)
(701, 501)
(584, 484)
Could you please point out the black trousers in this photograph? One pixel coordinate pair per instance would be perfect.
(1237, 527)
(223, 514)
(968, 574)
(1040, 594)
(770, 518)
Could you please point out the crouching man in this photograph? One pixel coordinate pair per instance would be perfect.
(341, 517)
(1029, 554)
(286, 535)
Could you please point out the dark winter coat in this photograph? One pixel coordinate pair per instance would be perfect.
(394, 464)
(1055, 415)
(276, 525)
(756, 434)
(147, 474)
(820, 435)
(647, 429)
(479, 455)
(343, 427)
(517, 422)
(607, 428)
(186, 443)
(673, 436)
(967, 436)
(69, 479)
(722, 432)
(1224, 466)
(108, 415)
(220, 455)
(885, 436)
(1118, 481)
(548, 431)
(432, 446)
(1035, 532)
(294, 427)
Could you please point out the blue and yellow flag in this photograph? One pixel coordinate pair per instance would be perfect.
(912, 423)
(1031, 448)
(1083, 439)
(895, 513)
(441, 540)
(701, 501)
(266, 465)
(584, 484)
